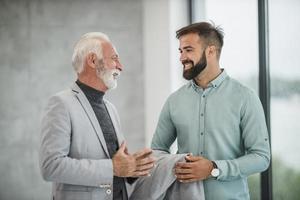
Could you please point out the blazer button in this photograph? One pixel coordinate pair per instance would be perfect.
(108, 191)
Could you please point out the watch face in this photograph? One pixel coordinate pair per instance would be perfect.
(215, 172)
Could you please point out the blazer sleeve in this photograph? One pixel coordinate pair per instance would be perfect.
(55, 164)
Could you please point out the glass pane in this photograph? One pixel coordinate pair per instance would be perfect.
(240, 52)
(285, 97)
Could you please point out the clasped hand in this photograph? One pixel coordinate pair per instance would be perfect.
(195, 168)
(132, 165)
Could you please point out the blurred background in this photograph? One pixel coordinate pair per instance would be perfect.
(36, 45)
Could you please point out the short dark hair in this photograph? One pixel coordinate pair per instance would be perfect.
(211, 34)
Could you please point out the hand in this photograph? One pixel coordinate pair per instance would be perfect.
(138, 164)
(196, 168)
(144, 160)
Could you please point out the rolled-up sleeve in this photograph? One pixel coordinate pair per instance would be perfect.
(256, 143)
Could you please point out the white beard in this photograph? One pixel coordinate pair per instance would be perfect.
(108, 76)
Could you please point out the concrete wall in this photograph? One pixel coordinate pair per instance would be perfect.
(162, 69)
(36, 41)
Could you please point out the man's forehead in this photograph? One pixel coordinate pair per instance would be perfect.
(191, 39)
(108, 48)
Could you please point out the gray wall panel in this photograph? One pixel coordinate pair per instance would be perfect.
(36, 42)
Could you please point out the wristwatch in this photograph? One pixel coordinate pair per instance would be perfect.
(215, 172)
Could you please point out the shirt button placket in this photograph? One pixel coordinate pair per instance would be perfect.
(202, 109)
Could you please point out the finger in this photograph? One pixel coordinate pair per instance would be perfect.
(145, 167)
(141, 173)
(126, 151)
(183, 165)
(190, 158)
(145, 161)
(180, 171)
(142, 153)
(184, 176)
(123, 147)
(188, 180)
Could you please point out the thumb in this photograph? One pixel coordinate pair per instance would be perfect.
(190, 158)
(123, 147)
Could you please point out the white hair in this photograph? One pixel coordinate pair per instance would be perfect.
(88, 43)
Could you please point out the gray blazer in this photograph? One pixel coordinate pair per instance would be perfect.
(73, 152)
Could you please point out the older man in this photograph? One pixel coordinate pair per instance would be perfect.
(82, 147)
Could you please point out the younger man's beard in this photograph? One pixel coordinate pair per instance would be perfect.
(195, 70)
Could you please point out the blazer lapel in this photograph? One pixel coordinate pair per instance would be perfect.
(91, 115)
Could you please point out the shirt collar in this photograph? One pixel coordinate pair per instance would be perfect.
(214, 83)
(217, 81)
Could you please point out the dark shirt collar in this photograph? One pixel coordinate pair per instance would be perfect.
(91, 93)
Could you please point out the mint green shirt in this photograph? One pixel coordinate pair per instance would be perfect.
(225, 123)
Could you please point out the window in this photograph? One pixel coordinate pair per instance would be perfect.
(284, 26)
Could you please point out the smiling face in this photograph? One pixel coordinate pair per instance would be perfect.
(192, 55)
(109, 67)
